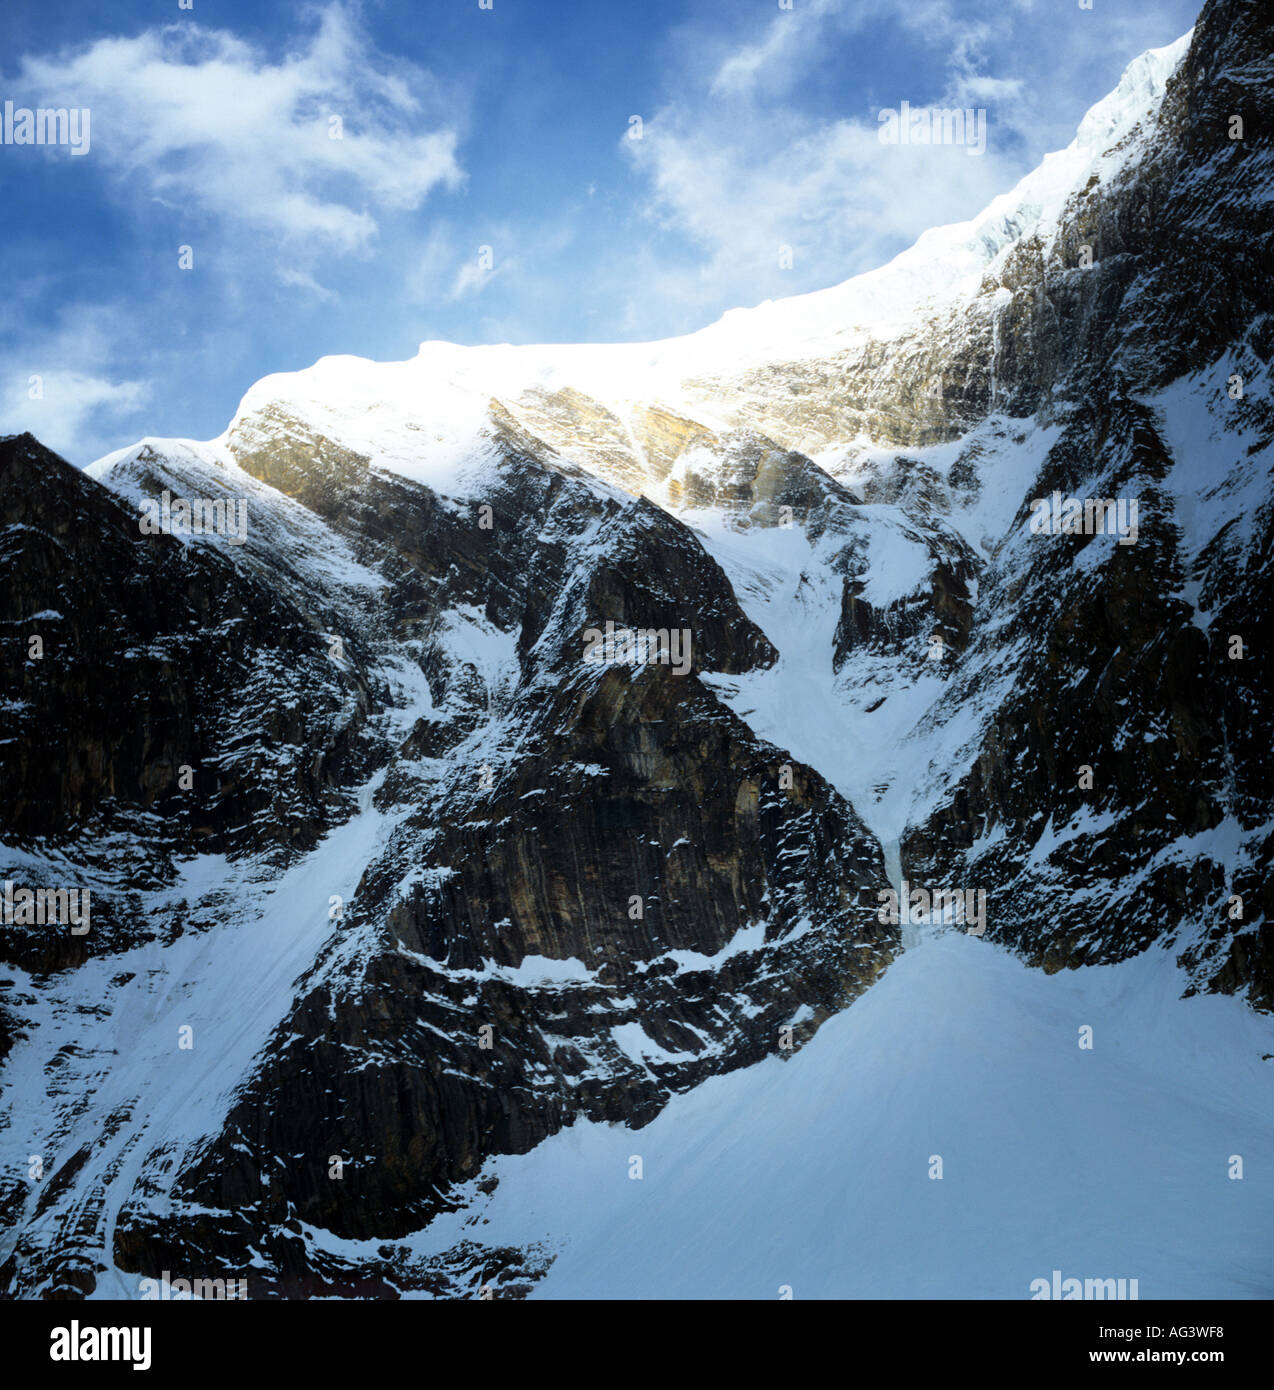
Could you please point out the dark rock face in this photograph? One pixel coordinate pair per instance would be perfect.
(684, 812)
(1114, 677)
(154, 657)
(633, 817)
(939, 615)
(145, 642)
(578, 850)
(1114, 670)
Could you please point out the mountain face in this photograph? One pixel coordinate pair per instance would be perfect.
(389, 877)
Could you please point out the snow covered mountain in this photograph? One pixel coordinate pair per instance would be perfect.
(412, 927)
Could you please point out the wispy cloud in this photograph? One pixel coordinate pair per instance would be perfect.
(307, 148)
(62, 387)
(303, 281)
(769, 194)
(778, 201)
(474, 276)
(771, 59)
(229, 147)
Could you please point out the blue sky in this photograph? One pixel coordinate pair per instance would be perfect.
(463, 128)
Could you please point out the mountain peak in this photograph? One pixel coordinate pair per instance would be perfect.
(430, 417)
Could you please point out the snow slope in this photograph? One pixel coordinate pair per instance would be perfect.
(814, 1172)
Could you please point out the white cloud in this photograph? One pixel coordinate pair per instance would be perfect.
(302, 280)
(771, 58)
(196, 117)
(61, 388)
(740, 167)
(473, 278)
(780, 60)
(760, 193)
